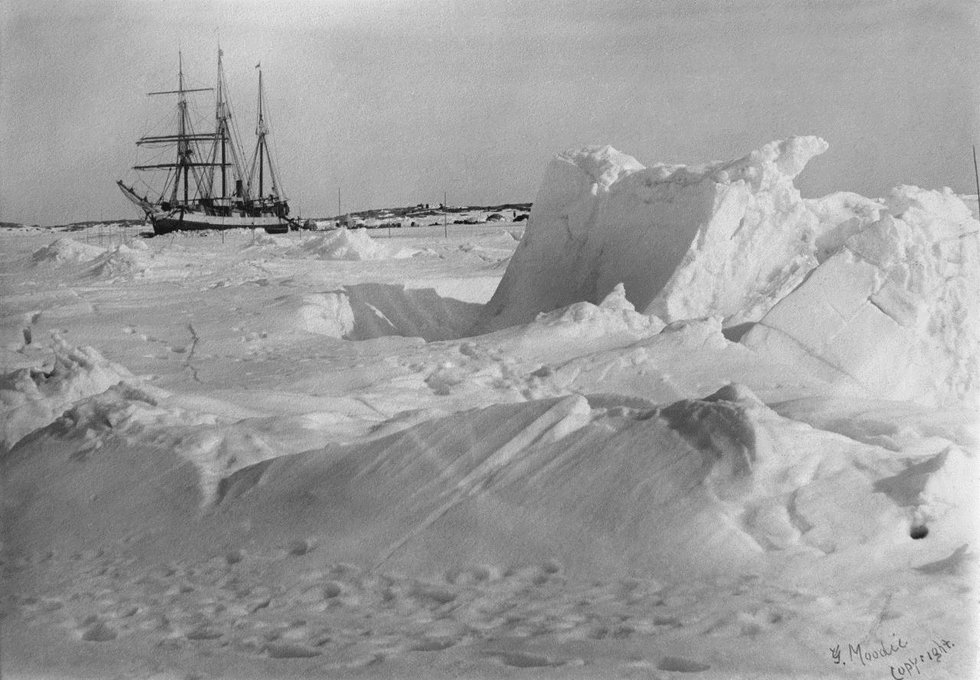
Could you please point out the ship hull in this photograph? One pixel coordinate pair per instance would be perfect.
(165, 223)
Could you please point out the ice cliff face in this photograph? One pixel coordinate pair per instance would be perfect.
(722, 239)
(880, 295)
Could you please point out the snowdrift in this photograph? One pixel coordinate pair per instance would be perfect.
(121, 261)
(373, 310)
(65, 249)
(580, 328)
(344, 244)
(31, 398)
(115, 261)
(336, 244)
(698, 488)
(883, 295)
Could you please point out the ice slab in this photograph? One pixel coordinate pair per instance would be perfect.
(725, 239)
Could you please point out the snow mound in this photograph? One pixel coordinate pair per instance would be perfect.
(613, 312)
(726, 239)
(261, 240)
(579, 328)
(373, 310)
(216, 445)
(32, 398)
(327, 314)
(128, 408)
(344, 244)
(710, 486)
(896, 307)
(123, 260)
(66, 249)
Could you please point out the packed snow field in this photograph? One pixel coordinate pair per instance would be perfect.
(681, 423)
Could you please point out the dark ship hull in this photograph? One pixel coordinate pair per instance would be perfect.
(167, 221)
(165, 224)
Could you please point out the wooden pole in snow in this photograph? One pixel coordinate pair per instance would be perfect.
(445, 207)
(976, 174)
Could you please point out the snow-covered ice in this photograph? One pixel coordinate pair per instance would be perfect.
(894, 308)
(725, 239)
(689, 423)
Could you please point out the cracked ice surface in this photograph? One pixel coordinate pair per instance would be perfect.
(894, 308)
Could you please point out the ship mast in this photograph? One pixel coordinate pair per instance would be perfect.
(260, 131)
(226, 140)
(220, 115)
(183, 148)
(262, 156)
(185, 138)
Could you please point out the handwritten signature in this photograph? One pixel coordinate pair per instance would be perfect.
(866, 654)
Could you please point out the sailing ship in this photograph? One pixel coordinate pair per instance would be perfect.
(209, 184)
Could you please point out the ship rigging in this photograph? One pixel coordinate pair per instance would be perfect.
(208, 183)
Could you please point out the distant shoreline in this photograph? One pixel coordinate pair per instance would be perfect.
(420, 210)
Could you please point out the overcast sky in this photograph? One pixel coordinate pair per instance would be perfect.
(395, 102)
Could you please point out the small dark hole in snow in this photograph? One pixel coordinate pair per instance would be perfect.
(298, 547)
(919, 532)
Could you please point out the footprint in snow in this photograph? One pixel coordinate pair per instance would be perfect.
(432, 645)
(433, 596)
(96, 630)
(286, 650)
(203, 632)
(681, 665)
(298, 547)
(41, 605)
(472, 576)
(526, 660)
